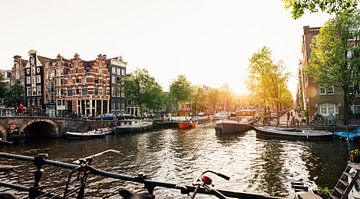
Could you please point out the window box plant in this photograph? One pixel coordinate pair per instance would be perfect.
(355, 155)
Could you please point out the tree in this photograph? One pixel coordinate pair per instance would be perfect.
(181, 90)
(3, 87)
(335, 56)
(227, 98)
(298, 7)
(139, 87)
(154, 97)
(214, 99)
(199, 103)
(14, 95)
(267, 81)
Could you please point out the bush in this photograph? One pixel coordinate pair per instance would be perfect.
(324, 192)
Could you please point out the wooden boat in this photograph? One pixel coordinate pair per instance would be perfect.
(133, 126)
(85, 135)
(232, 126)
(187, 125)
(274, 132)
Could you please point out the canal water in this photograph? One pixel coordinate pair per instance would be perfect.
(178, 156)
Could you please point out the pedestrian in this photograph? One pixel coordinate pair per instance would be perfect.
(330, 119)
(288, 118)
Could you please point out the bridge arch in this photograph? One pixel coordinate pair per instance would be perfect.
(40, 128)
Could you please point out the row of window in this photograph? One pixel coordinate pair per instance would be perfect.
(117, 92)
(35, 79)
(326, 90)
(118, 71)
(327, 108)
(33, 91)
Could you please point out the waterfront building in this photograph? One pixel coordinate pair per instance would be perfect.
(34, 83)
(83, 87)
(313, 96)
(18, 70)
(89, 88)
(117, 67)
(7, 75)
(64, 87)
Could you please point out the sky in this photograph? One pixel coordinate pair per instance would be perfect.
(209, 41)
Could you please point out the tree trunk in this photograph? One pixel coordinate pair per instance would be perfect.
(346, 115)
(277, 113)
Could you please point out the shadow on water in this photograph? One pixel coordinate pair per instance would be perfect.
(226, 139)
(325, 161)
(273, 168)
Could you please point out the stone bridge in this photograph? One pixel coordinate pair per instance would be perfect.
(50, 127)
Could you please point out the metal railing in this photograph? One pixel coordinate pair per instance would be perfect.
(84, 166)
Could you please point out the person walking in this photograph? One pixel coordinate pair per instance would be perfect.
(288, 118)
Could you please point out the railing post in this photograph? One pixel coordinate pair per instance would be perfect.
(39, 162)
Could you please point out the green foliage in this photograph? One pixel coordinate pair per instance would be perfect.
(3, 87)
(181, 89)
(335, 56)
(143, 89)
(298, 7)
(324, 192)
(213, 99)
(14, 95)
(199, 103)
(267, 81)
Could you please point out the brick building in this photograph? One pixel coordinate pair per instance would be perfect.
(60, 86)
(316, 97)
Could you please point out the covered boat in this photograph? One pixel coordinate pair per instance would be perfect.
(85, 135)
(274, 132)
(351, 135)
(232, 126)
(133, 126)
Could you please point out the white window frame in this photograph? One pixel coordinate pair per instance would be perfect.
(324, 109)
(38, 79)
(332, 89)
(325, 90)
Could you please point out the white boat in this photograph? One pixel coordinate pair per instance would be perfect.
(221, 116)
(275, 132)
(107, 130)
(133, 126)
(85, 135)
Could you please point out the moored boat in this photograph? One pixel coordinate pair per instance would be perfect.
(85, 135)
(232, 126)
(274, 132)
(350, 135)
(134, 126)
(187, 125)
(107, 130)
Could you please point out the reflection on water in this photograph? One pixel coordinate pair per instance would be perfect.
(178, 156)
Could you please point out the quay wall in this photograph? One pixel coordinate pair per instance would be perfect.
(50, 127)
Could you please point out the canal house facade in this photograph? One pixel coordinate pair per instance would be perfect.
(71, 87)
(117, 67)
(34, 83)
(316, 97)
